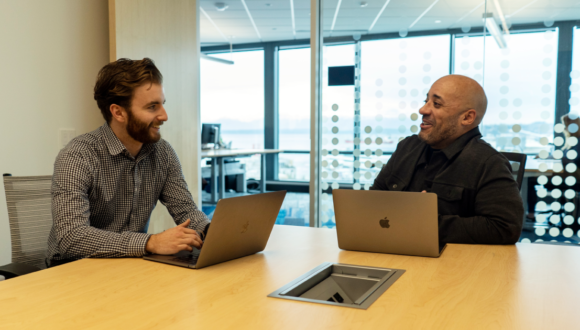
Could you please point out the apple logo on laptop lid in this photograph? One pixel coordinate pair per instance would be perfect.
(245, 227)
(384, 223)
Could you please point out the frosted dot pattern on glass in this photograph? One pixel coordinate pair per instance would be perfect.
(406, 69)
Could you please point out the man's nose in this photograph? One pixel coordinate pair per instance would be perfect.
(163, 115)
(425, 109)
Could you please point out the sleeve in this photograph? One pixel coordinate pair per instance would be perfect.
(381, 179)
(76, 238)
(177, 198)
(499, 208)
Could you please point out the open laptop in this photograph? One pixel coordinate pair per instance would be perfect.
(387, 222)
(240, 227)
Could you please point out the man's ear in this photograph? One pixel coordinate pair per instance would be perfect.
(468, 117)
(118, 112)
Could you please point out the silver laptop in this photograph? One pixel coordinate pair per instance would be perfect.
(387, 222)
(240, 227)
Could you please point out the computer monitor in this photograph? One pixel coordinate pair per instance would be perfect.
(210, 133)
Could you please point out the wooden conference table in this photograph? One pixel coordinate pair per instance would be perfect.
(217, 163)
(526, 286)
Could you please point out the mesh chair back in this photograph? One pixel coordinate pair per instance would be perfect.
(30, 216)
(518, 162)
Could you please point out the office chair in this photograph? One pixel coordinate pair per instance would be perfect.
(518, 162)
(29, 212)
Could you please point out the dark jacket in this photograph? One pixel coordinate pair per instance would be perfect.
(478, 199)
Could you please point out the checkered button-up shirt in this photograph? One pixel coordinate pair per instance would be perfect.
(102, 197)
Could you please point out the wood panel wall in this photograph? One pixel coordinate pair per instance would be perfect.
(168, 33)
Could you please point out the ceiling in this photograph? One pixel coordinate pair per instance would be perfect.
(271, 20)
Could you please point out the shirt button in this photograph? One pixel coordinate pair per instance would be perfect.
(395, 185)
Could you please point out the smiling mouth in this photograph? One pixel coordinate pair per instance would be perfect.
(426, 125)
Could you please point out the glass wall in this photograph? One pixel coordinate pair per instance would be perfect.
(525, 55)
(262, 100)
(520, 83)
(527, 66)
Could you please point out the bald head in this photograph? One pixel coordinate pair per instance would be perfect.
(463, 92)
(454, 106)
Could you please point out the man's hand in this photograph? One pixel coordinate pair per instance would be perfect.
(173, 240)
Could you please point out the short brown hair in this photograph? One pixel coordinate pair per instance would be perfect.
(117, 81)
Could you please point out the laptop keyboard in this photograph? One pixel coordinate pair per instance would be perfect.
(190, 258)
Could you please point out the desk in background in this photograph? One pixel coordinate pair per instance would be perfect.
(218, 155)
(523, 286)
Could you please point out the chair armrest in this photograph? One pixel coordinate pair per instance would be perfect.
(17, 269)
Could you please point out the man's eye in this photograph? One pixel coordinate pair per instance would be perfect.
(437, 104)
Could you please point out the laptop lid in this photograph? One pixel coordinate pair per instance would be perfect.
(240, 226)
(387, 222)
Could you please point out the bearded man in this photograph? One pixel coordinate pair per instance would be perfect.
(107, 182)
(478, 199)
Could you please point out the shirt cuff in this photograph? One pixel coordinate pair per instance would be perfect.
(137, 244)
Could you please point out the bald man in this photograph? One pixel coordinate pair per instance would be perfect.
(478, 199)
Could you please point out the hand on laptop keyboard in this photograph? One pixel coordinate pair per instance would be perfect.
(179, 238)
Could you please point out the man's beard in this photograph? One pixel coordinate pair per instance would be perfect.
(440, 132)
(140, 131)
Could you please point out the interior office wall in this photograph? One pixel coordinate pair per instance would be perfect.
(168, 33)
(50, 53)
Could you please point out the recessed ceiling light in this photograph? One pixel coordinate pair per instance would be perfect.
(437, 21)
(363, 3)
(220, 6)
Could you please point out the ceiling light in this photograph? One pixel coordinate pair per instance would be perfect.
(216, 59)
(494, 30)
(220, 6)
(363, 4)
(437, 21)
(501, 17)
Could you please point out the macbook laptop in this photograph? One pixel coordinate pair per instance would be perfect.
(387, 222)
(240, 227)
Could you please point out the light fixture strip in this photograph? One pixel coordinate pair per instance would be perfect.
(213, 23)
(494, 30)
(335, 15)
(216, 59)
(251, 19)
(501, 17)
(293, 19)
(379, 14)
(423, 14)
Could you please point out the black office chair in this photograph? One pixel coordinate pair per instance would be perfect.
(30, 215)
(518, 163)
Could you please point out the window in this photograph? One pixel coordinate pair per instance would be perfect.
(233, 96)
(294, 113)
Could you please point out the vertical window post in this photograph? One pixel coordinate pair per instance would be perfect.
(271, 123)
(316, 44)
(563, 69)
